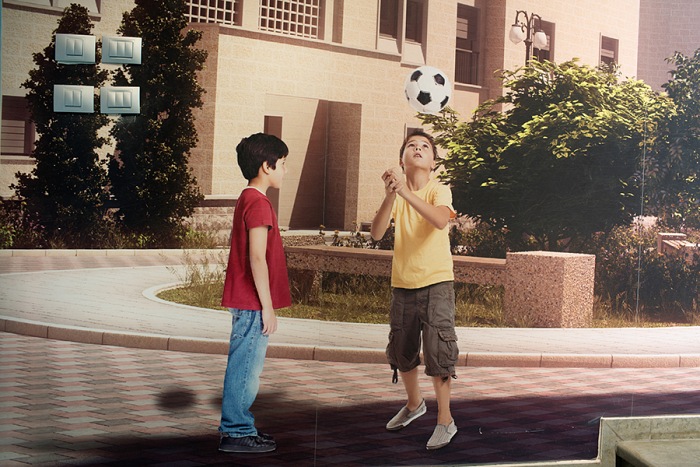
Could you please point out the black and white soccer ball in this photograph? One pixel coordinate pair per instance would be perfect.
(428, 90)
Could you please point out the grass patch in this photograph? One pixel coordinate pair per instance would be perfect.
(344, 298)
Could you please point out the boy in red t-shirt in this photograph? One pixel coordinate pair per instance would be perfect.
(256, 284)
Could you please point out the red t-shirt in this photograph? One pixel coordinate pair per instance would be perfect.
(254, 209)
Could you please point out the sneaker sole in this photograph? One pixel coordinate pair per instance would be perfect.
(407, 422)
(440, 446)
(248, 450)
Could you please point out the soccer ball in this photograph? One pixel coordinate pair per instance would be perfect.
(427, 90)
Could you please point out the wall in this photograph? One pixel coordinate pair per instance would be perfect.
(664, 28)
(579, 26)
(251, 75)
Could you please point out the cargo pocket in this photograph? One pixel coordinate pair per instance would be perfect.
(448, 352)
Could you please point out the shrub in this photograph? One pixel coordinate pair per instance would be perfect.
(480, 240)
(18, 230)
(631, 277)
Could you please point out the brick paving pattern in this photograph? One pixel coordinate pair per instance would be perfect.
(65, 403)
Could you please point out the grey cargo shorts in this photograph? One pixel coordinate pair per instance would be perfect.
(430, 312)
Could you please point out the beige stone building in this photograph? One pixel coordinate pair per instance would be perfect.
(327, 76)
(665, 28)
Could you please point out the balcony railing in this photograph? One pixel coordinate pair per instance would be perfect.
(467, 67)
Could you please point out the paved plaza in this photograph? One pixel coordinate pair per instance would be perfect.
(77, 403)
(66, 403)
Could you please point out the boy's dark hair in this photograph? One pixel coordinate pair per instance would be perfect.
(424, 135)
(258, 148)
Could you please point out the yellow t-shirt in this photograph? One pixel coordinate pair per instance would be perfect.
(422, 253)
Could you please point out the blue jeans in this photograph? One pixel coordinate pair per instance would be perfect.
(246, 356)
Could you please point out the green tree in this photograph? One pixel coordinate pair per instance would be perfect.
(151, 180)
(65, 194)
(562, 161)
(678, 197)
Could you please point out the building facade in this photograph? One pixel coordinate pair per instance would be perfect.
(665, 28)
(327, 76)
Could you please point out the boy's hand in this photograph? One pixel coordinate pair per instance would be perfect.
(269, 319)
(393, 180)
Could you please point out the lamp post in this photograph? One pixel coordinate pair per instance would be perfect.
(524, 30)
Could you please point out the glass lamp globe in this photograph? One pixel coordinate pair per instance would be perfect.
(517, 34)
(540, 39)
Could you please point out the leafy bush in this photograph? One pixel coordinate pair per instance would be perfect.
(632, 278)
(7, 228)
(17, 230)
(198, 239)
(533, 171)
(480, 240)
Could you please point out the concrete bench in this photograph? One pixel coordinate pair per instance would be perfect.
(543, 289)
(658, 453)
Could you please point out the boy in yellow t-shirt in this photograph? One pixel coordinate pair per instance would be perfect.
(422, 281)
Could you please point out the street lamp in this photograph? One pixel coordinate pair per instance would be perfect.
(523, 31)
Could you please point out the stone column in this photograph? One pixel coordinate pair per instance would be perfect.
(549, 289)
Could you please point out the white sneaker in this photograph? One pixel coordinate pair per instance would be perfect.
(405, 416)
(442, 435)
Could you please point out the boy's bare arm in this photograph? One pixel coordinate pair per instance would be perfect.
(383, 215)
(381, 219)
(261, 276)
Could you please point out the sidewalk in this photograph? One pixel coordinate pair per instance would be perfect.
(66, 401)
(108, 297)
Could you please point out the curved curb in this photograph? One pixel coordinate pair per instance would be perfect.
(339, 354)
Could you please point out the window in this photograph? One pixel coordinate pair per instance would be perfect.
(414, 21)
(389, 14)
(17, 130)
(93, 6)
(294, 17)
(608, 51)
(213, 11)
(467, 59)
(388, 18)
(402, 29)
(546, 52)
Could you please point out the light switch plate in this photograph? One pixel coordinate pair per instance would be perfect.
(69, 98)
(121, 50)
(120, 100)
(75, 49)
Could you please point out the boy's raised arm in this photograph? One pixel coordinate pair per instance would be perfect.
(381, 219)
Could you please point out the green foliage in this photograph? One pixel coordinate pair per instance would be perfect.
(9, 221)
(679, 196)
(669, 287)
(561, 162)
(387, 241)
(354, 240)
(202, 277)
(64, 195)
(481, 240)
(149, 171)
(198, 239)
